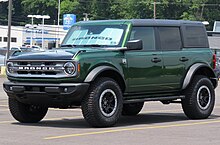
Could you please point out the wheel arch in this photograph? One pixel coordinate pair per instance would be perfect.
(200, 69)
(106, 71)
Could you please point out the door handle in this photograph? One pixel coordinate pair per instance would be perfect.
(183, 59)
(156, 60)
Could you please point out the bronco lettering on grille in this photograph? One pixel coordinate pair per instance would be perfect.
(35, 68)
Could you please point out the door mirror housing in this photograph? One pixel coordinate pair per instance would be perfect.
(134, 45)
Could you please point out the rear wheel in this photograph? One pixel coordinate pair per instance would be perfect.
(26, 113)
(102, 106)
(132, 108)
(199, 98)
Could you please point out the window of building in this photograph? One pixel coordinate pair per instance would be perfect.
(13, 39)
(0, 39)
(5, 39)
(146, 34)
(170, 38)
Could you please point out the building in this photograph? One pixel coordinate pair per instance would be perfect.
(48, 34)
(20, 36)
(16, 36)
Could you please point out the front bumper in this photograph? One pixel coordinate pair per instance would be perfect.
(61, 95)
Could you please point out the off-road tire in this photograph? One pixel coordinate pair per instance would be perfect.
(26, 113)
(199, 98)
(94, 107)
(132, 109)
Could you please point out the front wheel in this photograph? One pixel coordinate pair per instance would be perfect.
(199, 98)
(26, 113)
(102, 106)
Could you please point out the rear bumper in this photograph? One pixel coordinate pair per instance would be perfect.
(51, 95)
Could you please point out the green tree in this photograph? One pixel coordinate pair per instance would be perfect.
(41, 7)
(69, 7)
(195, 10)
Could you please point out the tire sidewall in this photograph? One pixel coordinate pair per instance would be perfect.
(22, 112)
(108, 84)
(190, 104)
(204, 82)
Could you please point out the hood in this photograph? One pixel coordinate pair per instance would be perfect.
(55, 54)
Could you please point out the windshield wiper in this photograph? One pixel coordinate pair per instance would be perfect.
(94, 45)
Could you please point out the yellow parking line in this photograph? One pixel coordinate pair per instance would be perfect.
(132, 129)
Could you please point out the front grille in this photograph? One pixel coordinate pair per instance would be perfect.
(49, 69)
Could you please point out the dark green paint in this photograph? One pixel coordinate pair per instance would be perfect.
(141, 75)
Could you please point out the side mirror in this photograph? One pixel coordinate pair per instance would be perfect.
(134, 45)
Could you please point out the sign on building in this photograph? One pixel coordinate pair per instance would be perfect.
(68, 21)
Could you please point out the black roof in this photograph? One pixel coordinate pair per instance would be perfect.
(148, 22)
(160, 22)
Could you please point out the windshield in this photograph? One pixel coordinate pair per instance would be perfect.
(95, 35)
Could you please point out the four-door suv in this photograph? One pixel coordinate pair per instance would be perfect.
(110, 68)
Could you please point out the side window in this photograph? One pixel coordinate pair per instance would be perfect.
(146, 34)
(13, 39)
(195, 36)
(5, 39)
(170, 38)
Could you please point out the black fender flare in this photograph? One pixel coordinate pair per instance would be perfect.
(98, 70)
(193, 69)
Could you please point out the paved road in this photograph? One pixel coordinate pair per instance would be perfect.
(157, 124)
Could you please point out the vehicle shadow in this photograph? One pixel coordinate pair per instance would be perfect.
(141, 119)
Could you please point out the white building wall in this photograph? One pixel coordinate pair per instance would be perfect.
(16, 35)
(23, 35)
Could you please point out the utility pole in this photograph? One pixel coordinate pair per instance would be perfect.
(155, 14)
(86, 18)
(9, 26)
(58, 25)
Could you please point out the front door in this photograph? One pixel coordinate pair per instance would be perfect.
(144, 66)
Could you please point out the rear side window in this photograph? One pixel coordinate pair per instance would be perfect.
(170, 38)
(146, 34)
(195, 36)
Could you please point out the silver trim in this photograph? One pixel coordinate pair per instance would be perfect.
(198, 97)
(115, 104)
(57, 70)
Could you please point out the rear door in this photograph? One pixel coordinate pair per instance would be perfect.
(173, 60)
(144, 66)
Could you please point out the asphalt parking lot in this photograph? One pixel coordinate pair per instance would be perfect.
(157, 124)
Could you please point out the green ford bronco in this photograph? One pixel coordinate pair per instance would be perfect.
(110, 68)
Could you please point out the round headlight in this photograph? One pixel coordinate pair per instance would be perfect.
(10, 67)
(69, 68)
